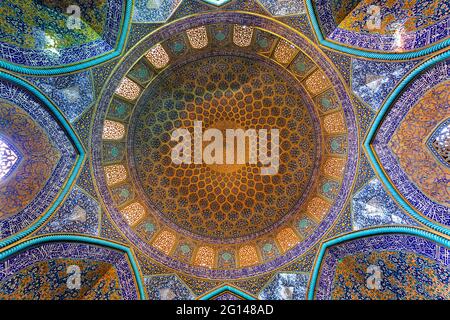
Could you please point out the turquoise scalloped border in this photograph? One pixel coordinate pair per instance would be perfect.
(220, 290)
(373, 129)
(368, 54)
(73, 137)
(80, 239)
(82, 65)
(365, 233)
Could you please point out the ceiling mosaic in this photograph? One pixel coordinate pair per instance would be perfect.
(49, 37)
(348, 198)
(394, 29)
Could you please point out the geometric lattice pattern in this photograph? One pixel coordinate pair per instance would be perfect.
(209, 209)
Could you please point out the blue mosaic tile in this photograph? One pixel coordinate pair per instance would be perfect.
(226, 296)
(330, 13)
(167, 288)
(302, 65)
(82, 125)
(154, 10)
(123, 193)
(190, 7)
(301, 23)
(85, 180)
(269, 250)
(373, 81)
(286, 286)
(140, 72)
(305, 226)
(342, 62)
(372, 206)
(79, 214)
(343, 225)
(109, 231)
(47, 52)
(365, 172)
(365, 116)
(303, 264)
(72, 94)
(281, 8)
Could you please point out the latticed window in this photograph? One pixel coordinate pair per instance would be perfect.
(242, 35)
(115, 174)
(157, 56)
(334, 123)
(317, 82)
(113, 130)
(133, 213)
(198, 37)
(8, 159)
(285, 52)
(318, 208)
(334, 167)
(128, 89)
(205, 257)
(287, 239)
(165, 241)
(248, 256)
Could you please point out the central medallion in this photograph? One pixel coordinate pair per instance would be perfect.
(234, 199)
